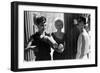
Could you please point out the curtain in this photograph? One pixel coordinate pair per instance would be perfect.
(28, 31)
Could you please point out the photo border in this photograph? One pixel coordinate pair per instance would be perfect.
(14, 35)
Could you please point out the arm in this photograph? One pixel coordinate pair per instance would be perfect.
(83, 47)
(54, 45)
(51, 41)
(31, 43)
(79, 44)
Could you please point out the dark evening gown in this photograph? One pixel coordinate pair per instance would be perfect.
(57, 55)
(43, 48)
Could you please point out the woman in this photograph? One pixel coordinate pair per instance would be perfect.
(40, 43)
(83, 40)
(59, 38)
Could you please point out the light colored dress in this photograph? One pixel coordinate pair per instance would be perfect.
(83, 45)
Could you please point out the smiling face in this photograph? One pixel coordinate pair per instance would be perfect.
(59, 24)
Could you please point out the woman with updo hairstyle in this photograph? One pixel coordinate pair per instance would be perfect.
(41, 48)
(59, 38)
(83, 44)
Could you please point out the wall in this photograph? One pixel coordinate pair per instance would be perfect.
(5, 27)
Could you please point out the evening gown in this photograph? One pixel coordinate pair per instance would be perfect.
(42, 46)
(57, 55)
(84, 41)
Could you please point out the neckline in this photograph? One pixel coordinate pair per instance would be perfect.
(58, 37)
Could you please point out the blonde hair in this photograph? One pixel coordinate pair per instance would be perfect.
(59, 20)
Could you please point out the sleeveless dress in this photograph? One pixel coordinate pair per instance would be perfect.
(57, 55)
(42, 46)
(85, 51)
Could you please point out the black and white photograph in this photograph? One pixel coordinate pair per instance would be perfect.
(56, 36)
(53, 36)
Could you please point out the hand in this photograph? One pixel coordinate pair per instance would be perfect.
(61, 48)
(44, 36)
(55, 45)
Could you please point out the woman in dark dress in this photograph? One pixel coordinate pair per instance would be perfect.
(40, 46)
(41, 43)
(59, 38)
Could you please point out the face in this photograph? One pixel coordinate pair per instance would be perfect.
(80, 26)
(41, 27)
(58, 25)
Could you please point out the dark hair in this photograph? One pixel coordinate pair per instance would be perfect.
(82, 19)
(39, 20)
